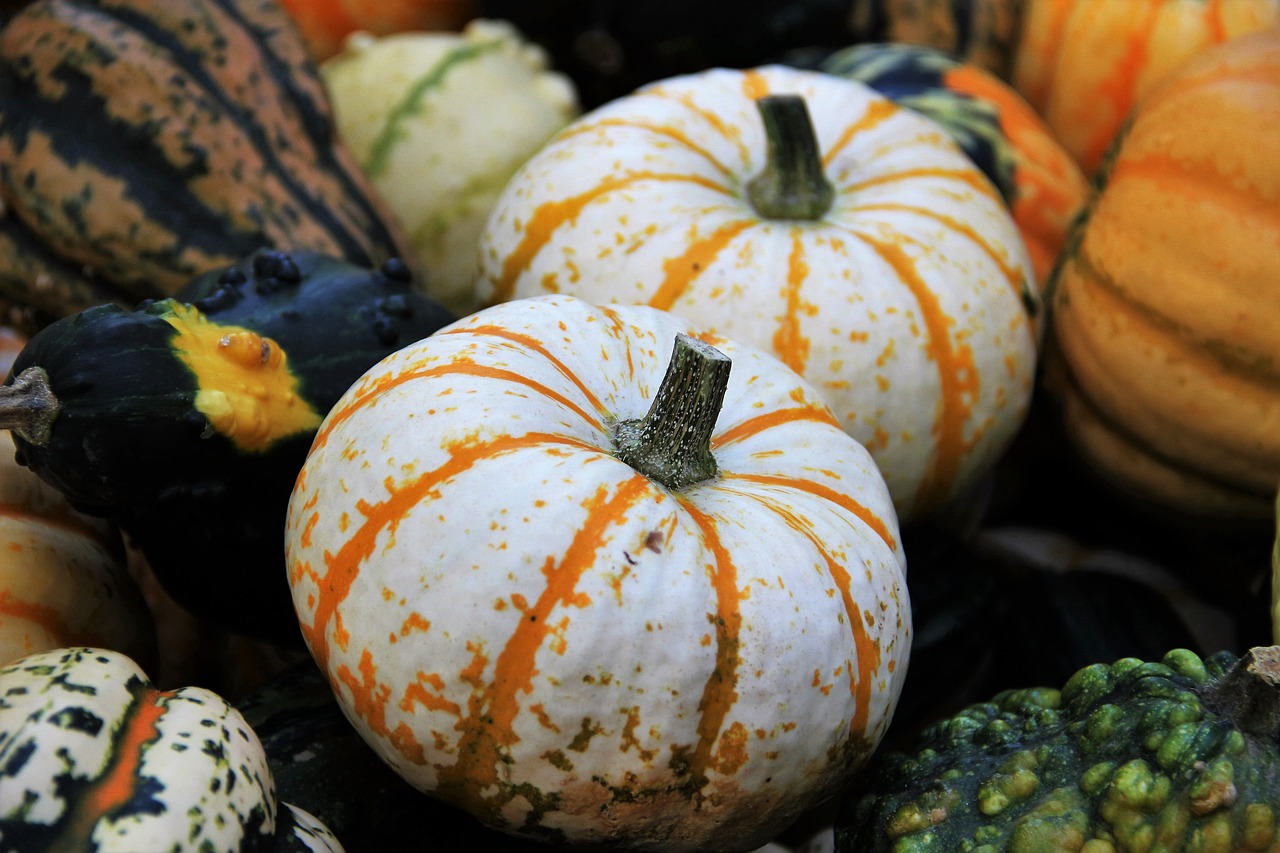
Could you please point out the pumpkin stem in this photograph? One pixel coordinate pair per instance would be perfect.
(28, 407)
(672, 443)
(792, 184)
(1249, 693)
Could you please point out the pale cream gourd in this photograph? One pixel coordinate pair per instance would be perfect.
(906, 299)
(527, 626)
(440, 121)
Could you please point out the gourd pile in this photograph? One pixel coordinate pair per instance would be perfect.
(544, 425)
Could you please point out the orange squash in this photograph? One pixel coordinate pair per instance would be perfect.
(1166, 306)
(1084, 63)
(326, 23)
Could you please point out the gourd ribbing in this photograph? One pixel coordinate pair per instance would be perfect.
(672, 443)
(792, 184)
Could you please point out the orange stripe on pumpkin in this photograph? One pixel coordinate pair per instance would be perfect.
(877, 112)
(342, 568)
(729, 131)
(119, 780)
(475, 779)
(1015, 275)
(861, 679)
(679, 272)
(721, 690)
(382, 384)
(551, 215)
(534, 344)
(958, 378)
(840, 499)
(813, 413)
(968, 175)
(788, 344)
(668, 131)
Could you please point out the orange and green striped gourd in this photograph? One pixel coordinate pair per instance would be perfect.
(599, 578)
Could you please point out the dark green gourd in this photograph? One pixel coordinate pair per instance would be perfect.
(187, 420)
(1181, 754)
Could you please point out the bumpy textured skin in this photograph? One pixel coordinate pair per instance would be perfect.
(201, 483)
(1127, 756)
(908, 304)
(526, 626)
(92, 757)
(143, 142)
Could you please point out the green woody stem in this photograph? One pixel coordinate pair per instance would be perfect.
(793, 184)
(28, 407)
(672, 443)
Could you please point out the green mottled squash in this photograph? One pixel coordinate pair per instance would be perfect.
(144, 142)
(1176, 754)
(94, 757)
(187, 420)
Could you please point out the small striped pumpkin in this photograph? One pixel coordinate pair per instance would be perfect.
(905, 300)
(1166, 308)
(1084, 64)
(94, 757)
(1000, 132)
(679, 651)
(145, 142)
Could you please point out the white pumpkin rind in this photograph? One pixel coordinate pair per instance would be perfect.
(93, 757)
(905, 305)
(522, 624)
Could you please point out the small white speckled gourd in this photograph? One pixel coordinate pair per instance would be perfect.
(93, 757)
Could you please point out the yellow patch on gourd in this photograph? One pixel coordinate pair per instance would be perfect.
(245, 387)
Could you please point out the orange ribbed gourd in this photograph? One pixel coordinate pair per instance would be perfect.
(1166, 308)
(1085, 63)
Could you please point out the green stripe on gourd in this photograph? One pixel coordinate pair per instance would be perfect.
(413, 102)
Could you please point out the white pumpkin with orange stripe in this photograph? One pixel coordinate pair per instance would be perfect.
(906, 297)
(588, 650)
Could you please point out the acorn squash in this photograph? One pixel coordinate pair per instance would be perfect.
(186, 422)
